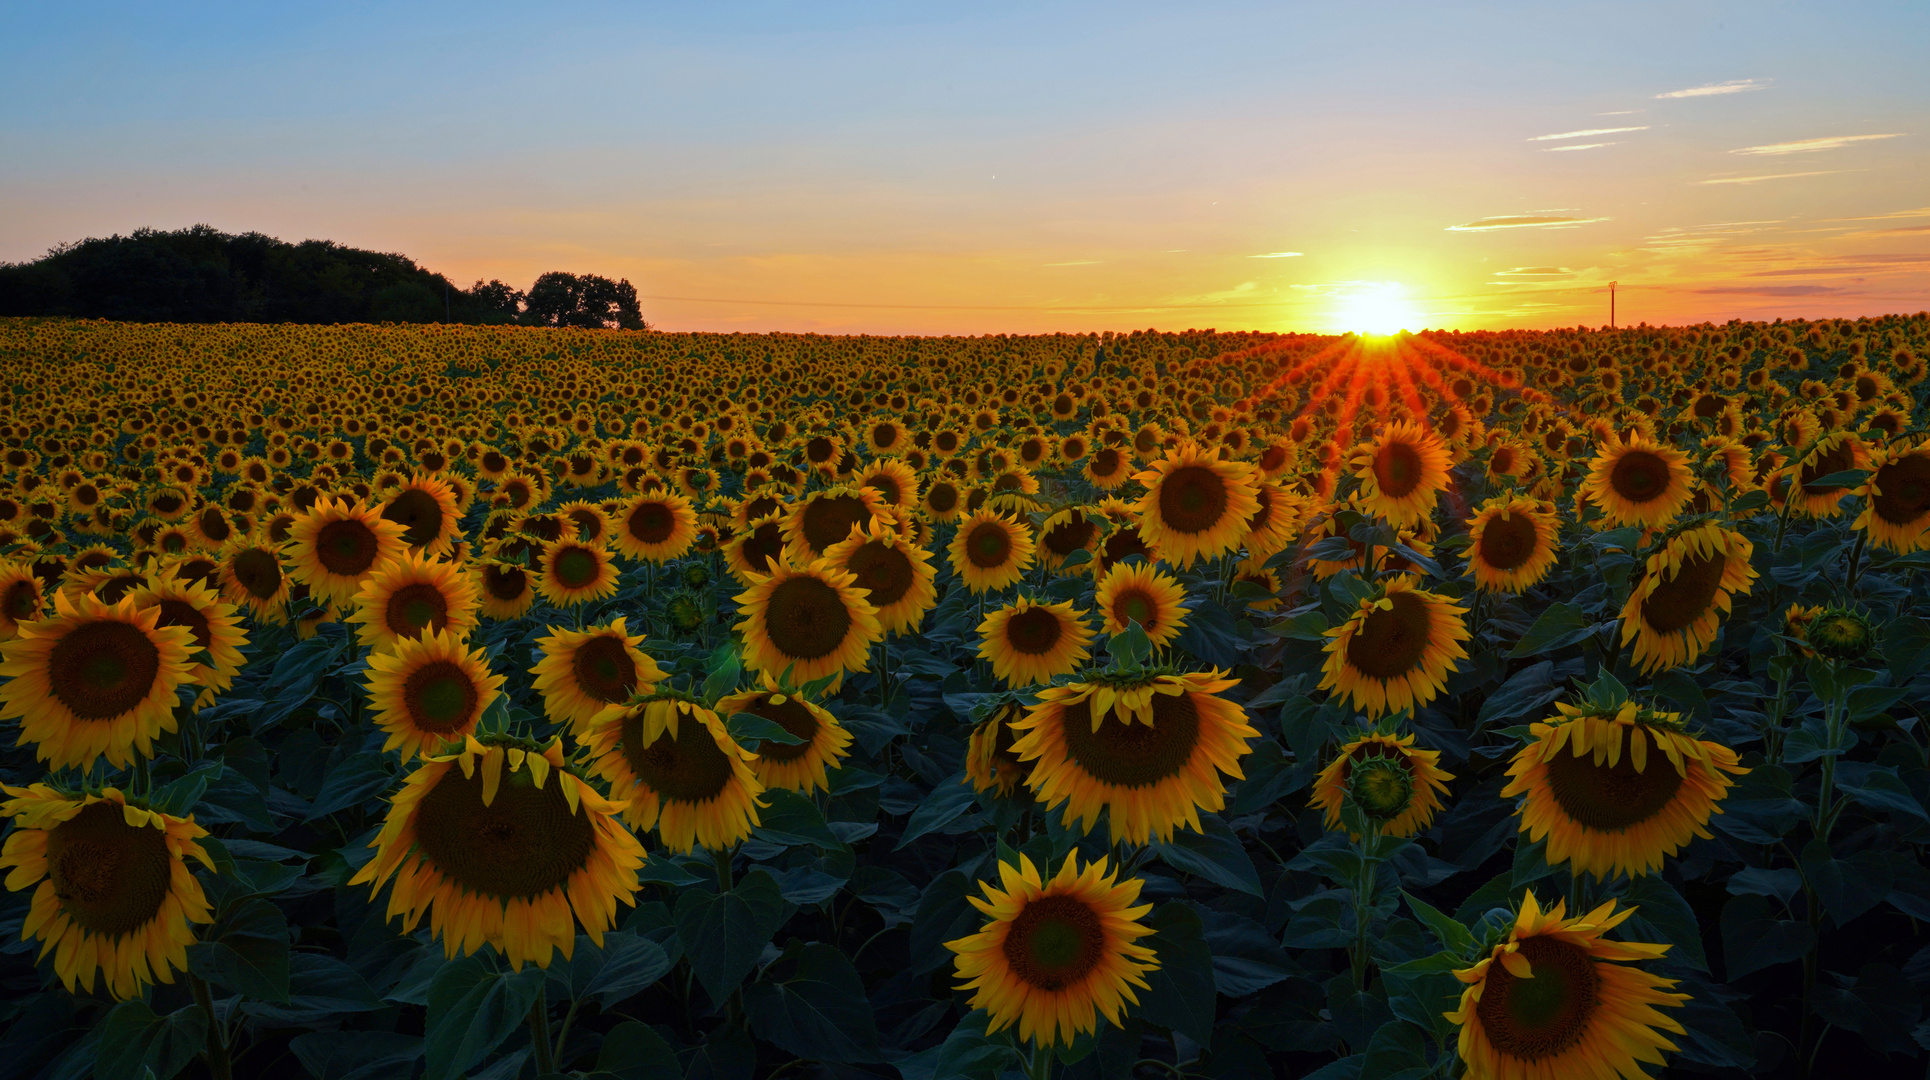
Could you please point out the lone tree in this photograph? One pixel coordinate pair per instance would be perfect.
(585, 301)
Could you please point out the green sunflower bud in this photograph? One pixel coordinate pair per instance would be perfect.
(1381, 787)
(1842, 634)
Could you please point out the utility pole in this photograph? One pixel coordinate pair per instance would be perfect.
(1611, 305)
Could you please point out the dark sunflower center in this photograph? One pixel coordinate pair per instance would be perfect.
(989, 546)
(415, 608)
(688, 768)
(1540, 1017)
(651, 523)
(793, 717)
(942, 498)
(505, 582)
(762, 546)
(820, 449)
(829, 520)
(760, 507)
(1836, 459)
(1135, 605)
(417, 511)
(213, 525)
(603, 669)
(1261, 516)
(182, 613)
(588, 525)
(1106, 462)
(22, 600)
(884, 436)
(883, 570)
(346, 548)
(258, 571)
(1068, 536)
(576, 567)
(102, 669)
(1124, 544)
(111, 877)
(1134, 754)
(1611, 799)
(1033, 631)
(1508, 542)
(1391, 642)
(1054, 942)
(440, 697)
(1905, 487)
(1639, 476)
(525, 843)
(1192, 499)
(1397, 468)
(1682, 599)
(806, 618)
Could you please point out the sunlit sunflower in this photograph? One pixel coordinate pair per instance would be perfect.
(94, 680)
(656, 527)
(1896, 499)
(1836, 452)
(1397, 650)
(990, 764)
(584, 672)
(1029, 642)
(942, 500)
(425, 506)
(802, 767)
(752, 552)
(826, 517)
(1108, 467)
(1401, 472)
(334, 547)
(894, 482)
(1056, 955)
(894, 572)
(991, 552)
(1149, 751)
(1511, 543)
(114, 894)
(214, 623)
(429, 690)
(506, 590)
(499, 843)
(411, 594)
(1404, 795)
(20, 598)
(813, 621)
(593, 524)
(1273, 526)
(1611, 808)
(1196, 505)
(1135, 592)
(680, 770)
(575, 572)
(1639, 482)
(1551, 1000)
(1678, 600)
(252, 575)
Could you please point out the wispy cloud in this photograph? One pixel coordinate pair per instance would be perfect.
(1576, 146)
(1768, 290)
(1921, 211)
(1892, 232)
(1619, 112)
(1278, 255)
(1539, 219)
(1733, 86)
(1771, 176)
(1810, 146)
(1078, 262)
(1585, 133)
(1535, 272)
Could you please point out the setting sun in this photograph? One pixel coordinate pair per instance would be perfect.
(1379, 307)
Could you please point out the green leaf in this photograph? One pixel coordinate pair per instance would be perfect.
(1306, 626)
(356, 1055)
(1452, 935)
(1663, 915)
(1559, 626)
(791, 819)
(725, 668)
(1524, 697)
(350, 783)
(634, 1051)
(1847, 887)
(968, 1053)
(816, 1010)
(134, 1038)
(1183, 995)
(1846, 478)
(318, 987)
(472, 1009)
(723, 934)
(180, 796)
(749, 729)
(630, 965)
(1214, 854)
(1753, 939)
(952, 797)
(1396, 1052)
(246, 951)
(1131, 648)
(1879, 788)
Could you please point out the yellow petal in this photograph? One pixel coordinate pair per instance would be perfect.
(492, 773)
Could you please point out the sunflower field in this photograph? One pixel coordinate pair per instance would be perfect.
(435, 702)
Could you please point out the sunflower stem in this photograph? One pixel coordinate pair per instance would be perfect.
(1856, 566)
(1041, 1067)
(219, 1066)
(539, 1032)
(721, 856)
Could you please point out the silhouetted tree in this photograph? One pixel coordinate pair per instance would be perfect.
(586, 301)
(497, 298)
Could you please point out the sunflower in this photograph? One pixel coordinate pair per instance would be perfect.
(894, 482)
(813, 621)
(1056, 955)
(20, 598)
(429, 690)
(1074, 528)
(942, 500)
(575, 572)
(1396, 651)
(1255, 573)
(990, 764)
(656, 527)
(1551, 1002)
(1896, 500)
(1610, 809)
(215, 625)
(411, 594)
(252, 575)
(1108, 467)
(1196, 505)
(1639, 482)
(334, 547)
(680, 770)
(894, 572)
(94, 680)
(1135, 592)
(584, 672)
(115, 893)
(1271, 527)
(1404, 795)
(991, 552)
(1029, 642)
(1511, 543)
(801, 767)
(425, 507)
(498, 843)
(754, 550)
(505, 588)
(1837, 452)
(1149, 751)
(1684, 589)
(1401, 472)
(824, 518)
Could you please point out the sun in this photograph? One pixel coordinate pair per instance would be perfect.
(1378, 308)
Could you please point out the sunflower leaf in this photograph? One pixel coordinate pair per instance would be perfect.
(723, 934)
(1560, 626)
(246, 951)
(1452, 935)
(750, 728)
(1183, 995)
(635, 1051)
(817, 1009)
(472, 1009)
(134, 1038)
(1846, 478)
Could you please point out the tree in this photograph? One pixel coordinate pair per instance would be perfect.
(497, 299)
(587, 301)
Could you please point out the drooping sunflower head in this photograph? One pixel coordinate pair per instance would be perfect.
(411, 595)
(990, 764)
(575, 572)
(681, 771)
(1395, 784)
(1135, 592)
(1639, 482)
(1816, 493)
(20, 598)
(1196, 504)
(1676, 605)
(1401, 472)
(1396, 651)
(991, 552)
(335, 546)
(813, 621)
(1029, 642)
(894, 572)
(586, 671)
(801, 766)
(429, 690)
(1511, 544)
(1896, 499)
(1074, 528)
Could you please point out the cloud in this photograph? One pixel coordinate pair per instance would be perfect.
(1771, 176)
(1921, 211)
(1576, 146)
(1808, 146)
(1586, 133)
(1080, 262)
(1768, 290)
(1734, 86)
(1619, 112)
(1278, 255)
(1539, 219)
(1536, 272)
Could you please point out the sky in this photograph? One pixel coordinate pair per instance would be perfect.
(985, 167)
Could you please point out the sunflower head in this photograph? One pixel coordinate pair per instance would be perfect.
(1196, 505)
(679, 769)
(1397, 649)
(1382, 789)
(1381, 782)
(1842, 634)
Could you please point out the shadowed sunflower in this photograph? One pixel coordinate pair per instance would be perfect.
(656, 527)
(94, 680)
(893, 573)
(893, 481)
(680, 770)
(252, 575)
(1196, 505)
(584, 672)
(575, 572)
(214, 623)
(425, 507)
(755, 549)
(1149, 752)
(20, 598)
(1108, 467)
(1396, 651)
(942, 501)
(1075, 528)
(499, 844)
(813, 621)
(408, 596)
(825, 518)
(1678, 600)
(428, 691)
(115, 894)
(1056, 955)
(1511, 544)
(1029, 642)
(1254, 573)
(1403, 795)
(1606, 800)
(1401, 472)
(1551, 1001)
(506, 589)
(1273, 525)
(1896, 500)
(334, 547)
(1135, 592)
(1834, 453)
(991, 552)
(1639, 483)
(990, 764)
(801, 767)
